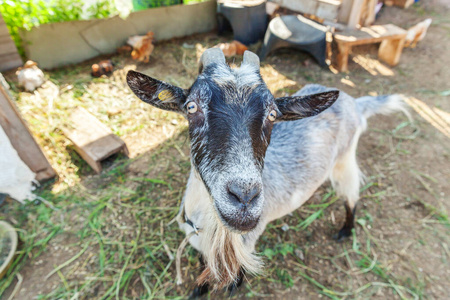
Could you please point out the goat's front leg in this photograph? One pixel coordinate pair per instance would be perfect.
(200, 290)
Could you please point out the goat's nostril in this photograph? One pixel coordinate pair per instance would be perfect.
(243, 195)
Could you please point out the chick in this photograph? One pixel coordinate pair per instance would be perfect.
(30, 76)
(417, 33)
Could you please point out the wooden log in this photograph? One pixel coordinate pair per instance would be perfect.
(22, 140)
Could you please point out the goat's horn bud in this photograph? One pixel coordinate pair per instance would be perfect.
(251, 59)
(211, 55)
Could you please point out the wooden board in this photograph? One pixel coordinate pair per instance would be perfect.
(369, 35)
(22, 140)
(344, 11)
(355, 14)
(9, 57)
(92, 139)
(327, 9)
(368, 13)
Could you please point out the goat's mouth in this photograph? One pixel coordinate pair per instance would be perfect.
(240, 220)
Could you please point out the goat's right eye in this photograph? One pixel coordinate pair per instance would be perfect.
(191, 107)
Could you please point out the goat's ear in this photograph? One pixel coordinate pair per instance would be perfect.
(299, 107)
(155, 92)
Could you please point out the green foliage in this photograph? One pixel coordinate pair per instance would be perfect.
(26, 14)
(283, 249)
(285, 278)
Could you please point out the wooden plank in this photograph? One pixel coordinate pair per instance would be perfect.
(391, 50)
(391, 37)
(368, 13)
(22, 140)
(304, 6)
(344, 11)
(92, 139)
(8, 48)
(355, 14)
(10, 61)
(403, 3)
(5, 38)
(328, 9)
(9, 57)
(4, 30)
(369, 35)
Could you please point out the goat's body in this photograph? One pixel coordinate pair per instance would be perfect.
(302, 155)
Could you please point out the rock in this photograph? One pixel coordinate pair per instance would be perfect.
(299, 254)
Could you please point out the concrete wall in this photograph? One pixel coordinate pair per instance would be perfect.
(58, 44)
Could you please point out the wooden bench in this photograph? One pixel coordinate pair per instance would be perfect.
(93, 140)
(391, 37)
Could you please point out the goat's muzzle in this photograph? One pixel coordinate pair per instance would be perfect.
(243, 199)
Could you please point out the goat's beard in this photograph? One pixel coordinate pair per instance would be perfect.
(225, 254)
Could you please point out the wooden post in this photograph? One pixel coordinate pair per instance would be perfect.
(342, 56)
(22, 140)
(355, 14)
(391, 50)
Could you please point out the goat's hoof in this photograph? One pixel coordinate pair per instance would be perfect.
(232, 289)
(199, 291)
(343, 234)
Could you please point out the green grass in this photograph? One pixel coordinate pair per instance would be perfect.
(125, 249)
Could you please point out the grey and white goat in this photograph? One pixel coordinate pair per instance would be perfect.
(249, 167)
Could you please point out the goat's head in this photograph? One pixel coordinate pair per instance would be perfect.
(231, 113)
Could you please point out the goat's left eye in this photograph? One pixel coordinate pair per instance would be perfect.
(272, 115)
(192, 107)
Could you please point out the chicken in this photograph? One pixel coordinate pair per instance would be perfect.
(30, 76)
(142, 46)
(417, 33)
(104, 67)
(232, 49)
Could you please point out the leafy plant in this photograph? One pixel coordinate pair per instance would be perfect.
(26, 14)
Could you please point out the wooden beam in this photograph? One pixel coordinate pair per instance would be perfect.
(355, 14)
(22, 140)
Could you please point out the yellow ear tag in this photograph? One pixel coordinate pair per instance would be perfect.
(164, 95)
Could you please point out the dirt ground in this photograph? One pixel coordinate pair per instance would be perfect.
(111, 235)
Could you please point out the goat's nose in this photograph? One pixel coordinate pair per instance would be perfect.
(243, 194)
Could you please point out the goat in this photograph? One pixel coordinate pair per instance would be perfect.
(249, 167)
